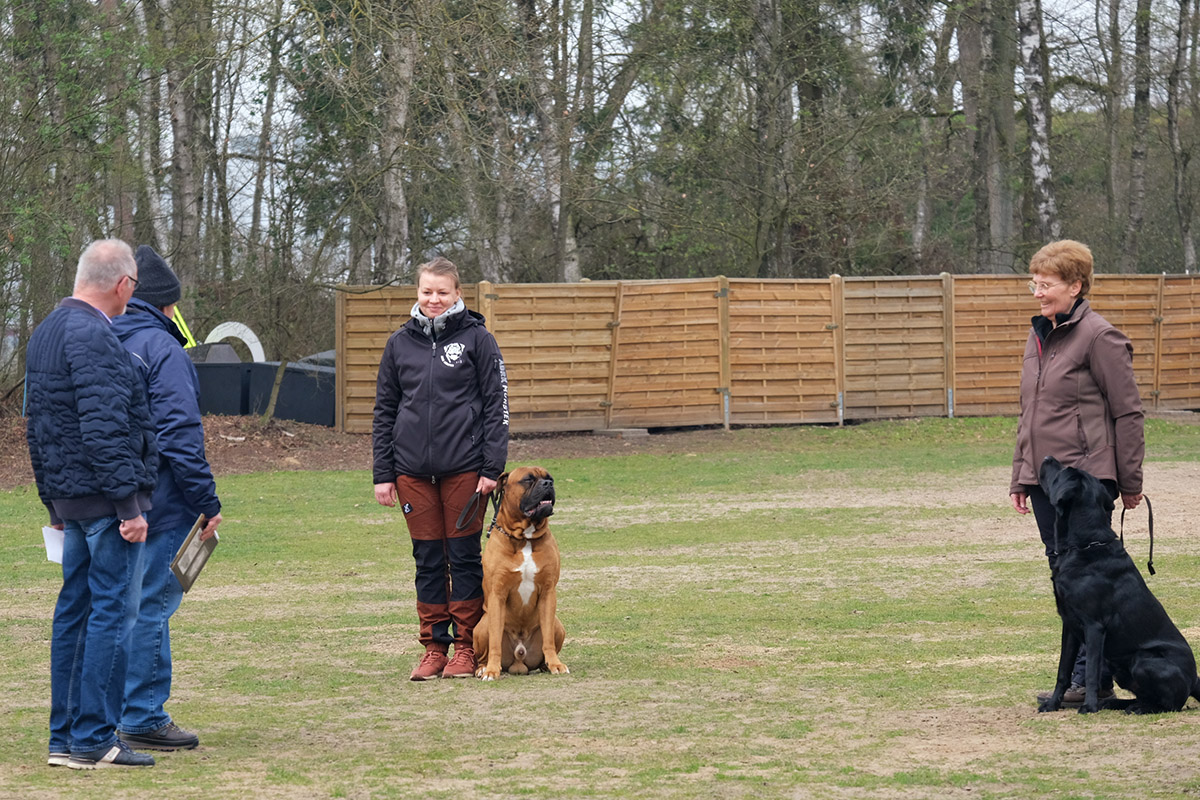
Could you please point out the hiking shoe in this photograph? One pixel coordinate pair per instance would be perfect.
(462, 665)
(117, 755)
(430, 667)
(58, 759)
(168, 737)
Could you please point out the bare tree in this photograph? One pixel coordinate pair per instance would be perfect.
(399, 63)
(1176, 80)
(773, 151)
(1141, 131)
(1035, 66)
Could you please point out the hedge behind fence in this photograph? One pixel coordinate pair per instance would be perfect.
(618, 354)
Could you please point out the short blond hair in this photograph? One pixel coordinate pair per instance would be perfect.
(439, 266)
(1067, 260)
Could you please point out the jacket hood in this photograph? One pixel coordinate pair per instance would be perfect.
(140, 316)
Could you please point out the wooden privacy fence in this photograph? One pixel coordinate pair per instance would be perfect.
(718, 351)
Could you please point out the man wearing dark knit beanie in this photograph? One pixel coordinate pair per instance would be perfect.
(157, 283)
(185, 490)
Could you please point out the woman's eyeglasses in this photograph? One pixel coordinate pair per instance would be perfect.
(1035, 287)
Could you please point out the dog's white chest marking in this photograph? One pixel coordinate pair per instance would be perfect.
(528, 571)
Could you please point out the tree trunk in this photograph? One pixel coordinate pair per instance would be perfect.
(1114, 92)
(269, 412)
(772, 154)
(1037, 113)
(263, 158)
(463, 153)
(986, 59)
(186, 23)
(554, 123)
(399, 64)
(1180, 157)
(1141, 128)
(121, 172)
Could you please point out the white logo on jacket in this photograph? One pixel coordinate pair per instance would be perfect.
(452, 353)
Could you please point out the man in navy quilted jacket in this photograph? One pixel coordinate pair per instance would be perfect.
(92, 446)
(185, 490)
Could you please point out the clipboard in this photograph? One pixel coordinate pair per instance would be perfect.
(193, 555)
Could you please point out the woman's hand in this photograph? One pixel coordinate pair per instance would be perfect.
(385, 494)
(485, 486)
(1018, 502)
(1131, 500)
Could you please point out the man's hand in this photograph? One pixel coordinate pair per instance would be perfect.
(134, 530)
(210, 527)
(1018, 502)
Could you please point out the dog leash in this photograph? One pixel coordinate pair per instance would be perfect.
(472, 508)
(1150, 509)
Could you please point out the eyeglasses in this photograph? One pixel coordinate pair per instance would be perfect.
(1035, 287)
(135, 280)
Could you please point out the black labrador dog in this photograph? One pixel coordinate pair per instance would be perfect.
(1105, 605)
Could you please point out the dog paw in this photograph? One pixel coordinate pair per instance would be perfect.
(1085, 709)
(1047, 705)
(557, 669)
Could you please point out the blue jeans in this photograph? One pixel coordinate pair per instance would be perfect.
(148, 679)
(89, 645)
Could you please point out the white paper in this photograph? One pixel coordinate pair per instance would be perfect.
(54, 543)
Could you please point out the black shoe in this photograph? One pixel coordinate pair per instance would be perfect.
(168, 737)
(117, 755)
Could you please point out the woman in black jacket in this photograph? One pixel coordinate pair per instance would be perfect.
(440, 435)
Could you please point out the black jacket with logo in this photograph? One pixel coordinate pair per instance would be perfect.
(441, 406)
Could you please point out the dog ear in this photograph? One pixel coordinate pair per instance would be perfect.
(503, 479)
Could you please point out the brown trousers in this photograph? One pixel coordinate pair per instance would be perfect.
(449, 577)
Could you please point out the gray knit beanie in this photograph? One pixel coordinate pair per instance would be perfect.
(156, 282)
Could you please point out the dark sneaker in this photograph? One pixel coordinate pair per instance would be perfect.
(430, 667)
(118, 755)
(462, 665)
(168, 737)
(58, 759)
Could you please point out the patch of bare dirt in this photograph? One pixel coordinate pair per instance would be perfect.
(237, 445)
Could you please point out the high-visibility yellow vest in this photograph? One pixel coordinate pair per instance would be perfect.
(183, 328)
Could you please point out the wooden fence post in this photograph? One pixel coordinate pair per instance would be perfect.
(838, 325)
(1159, 311)
(723, 368)
(339, 359)
(948, 338)
(486, 293)
(612, 353)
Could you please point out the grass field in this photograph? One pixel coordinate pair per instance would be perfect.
(790, 613)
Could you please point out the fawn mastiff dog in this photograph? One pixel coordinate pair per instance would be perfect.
(520, 630)
(1105, 604)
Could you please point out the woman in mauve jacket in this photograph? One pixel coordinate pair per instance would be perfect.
(440, 437)
(1079, 402)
